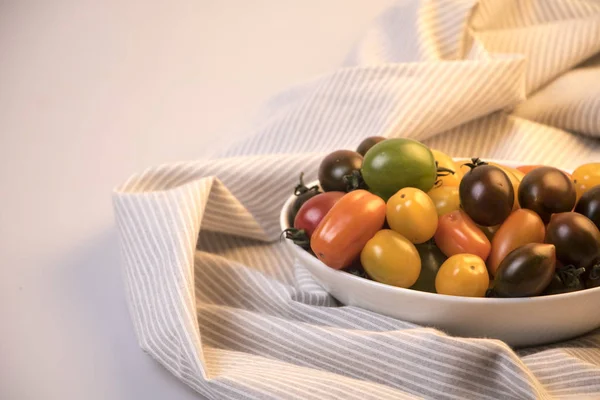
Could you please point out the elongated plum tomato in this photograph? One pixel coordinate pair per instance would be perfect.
(314, 210)
(445, 199)
(526, 271)
(547, 190)
(463, 275)
(411, 213)
(445, 161)
(520, 228)
(397, 163)
(458, 234)
(388, 257)
(487, 195)
(585, 177)
(347, 227)
(335, 166)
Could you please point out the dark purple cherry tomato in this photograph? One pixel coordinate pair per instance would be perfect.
(432, 259)
(486, 194)
(335, 166)
(589, 205)
(369, 142)
(547, 190)
(576, 238)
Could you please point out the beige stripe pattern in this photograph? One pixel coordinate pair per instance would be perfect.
(223, 305)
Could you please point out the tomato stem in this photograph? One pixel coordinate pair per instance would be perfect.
(298, 236)
(569, 275)
(355, 181)
(301, 188)
(475, 162)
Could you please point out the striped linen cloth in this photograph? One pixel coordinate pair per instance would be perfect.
(222, 304)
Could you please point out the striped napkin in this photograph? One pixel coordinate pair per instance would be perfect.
(222, 304)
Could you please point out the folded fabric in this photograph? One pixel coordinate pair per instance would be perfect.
(220, 302)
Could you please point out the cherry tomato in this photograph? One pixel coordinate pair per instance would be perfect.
(585, 177)
(528, 168)
(520, 228)
(388, 257)
(525, 169)
(347, 227)
(432, 259)
(394, 164)
(335, 166)
(445, 161)
(547, 190)
(411, 213)
(589, 205)
(486, 194)
(369, 142)
(302, 193)
(457, 234)
(445, 199)
(463, 275)
(314, 209)
(576, 238)
(513, 180)
(526, 271)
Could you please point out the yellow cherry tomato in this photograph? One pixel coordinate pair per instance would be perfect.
(463, 275)
(446, 161)
(445, 199)
(411, 213)
(390, 258)
(585, 177)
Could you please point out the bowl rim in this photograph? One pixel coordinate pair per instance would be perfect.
(283, 222)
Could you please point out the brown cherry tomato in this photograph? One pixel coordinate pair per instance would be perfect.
(457, 234)
(520, 228)
(528, 168)
(347, 227)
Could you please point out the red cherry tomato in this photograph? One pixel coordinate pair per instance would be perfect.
(457, 233)
(312, 212)
(347, 227)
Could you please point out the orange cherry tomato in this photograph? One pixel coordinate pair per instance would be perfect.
(457, 233)
(347, 227)
(520, 228)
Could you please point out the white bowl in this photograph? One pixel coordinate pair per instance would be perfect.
(517, 321)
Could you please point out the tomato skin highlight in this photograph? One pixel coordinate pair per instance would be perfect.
(411, 213)
(462, 275)
(520, 228)
(390, 258)
(458, 234)
(347, 227)
(312, 212)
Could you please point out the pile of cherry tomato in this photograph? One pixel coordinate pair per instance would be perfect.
(400, 213)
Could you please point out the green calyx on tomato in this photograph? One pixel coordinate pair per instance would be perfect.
(394, 164)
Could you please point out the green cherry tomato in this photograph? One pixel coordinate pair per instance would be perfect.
(394, 164)
(432, 259)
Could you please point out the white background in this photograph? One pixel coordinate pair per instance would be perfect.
(91, 92)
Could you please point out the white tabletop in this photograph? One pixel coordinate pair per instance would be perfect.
(90, 92)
